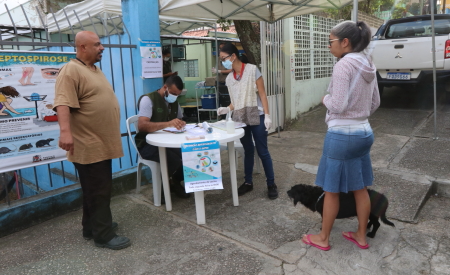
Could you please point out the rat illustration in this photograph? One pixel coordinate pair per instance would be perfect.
(44, 142)
(25, 147)
(6, 150)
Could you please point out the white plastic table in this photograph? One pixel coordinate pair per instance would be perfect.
(165, 140)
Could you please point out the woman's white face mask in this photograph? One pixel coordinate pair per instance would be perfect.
(166, 58)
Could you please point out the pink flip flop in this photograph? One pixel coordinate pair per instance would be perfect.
(350, 238)
(315, 245)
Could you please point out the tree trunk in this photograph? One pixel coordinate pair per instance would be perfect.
(250, 40)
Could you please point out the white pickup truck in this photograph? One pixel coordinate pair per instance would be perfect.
(402, 51)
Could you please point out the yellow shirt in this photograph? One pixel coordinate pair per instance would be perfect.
(94, 110)
(2, 98)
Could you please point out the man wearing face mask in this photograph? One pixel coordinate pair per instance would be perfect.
(159, 110)
(167, 65)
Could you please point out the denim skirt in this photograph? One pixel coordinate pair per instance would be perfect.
(345, 164)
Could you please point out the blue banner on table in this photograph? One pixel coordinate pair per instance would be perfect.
(201, 166)
(29, 129)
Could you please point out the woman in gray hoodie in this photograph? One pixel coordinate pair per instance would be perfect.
(345, 165)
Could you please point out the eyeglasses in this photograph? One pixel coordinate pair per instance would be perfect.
(332, 40)
(223, 59)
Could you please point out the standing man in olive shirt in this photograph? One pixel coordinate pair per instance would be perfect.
(89, 120)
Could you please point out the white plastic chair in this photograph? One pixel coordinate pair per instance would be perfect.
(154, 166)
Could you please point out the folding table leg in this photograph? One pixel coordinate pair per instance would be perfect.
(200, 207)
(231, 156)
(165, 177)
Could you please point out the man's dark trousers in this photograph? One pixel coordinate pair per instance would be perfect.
(96, 183)
(174, 159)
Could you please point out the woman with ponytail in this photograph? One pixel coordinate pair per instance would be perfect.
(345, 165)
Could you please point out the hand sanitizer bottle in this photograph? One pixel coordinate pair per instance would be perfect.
(230, 125)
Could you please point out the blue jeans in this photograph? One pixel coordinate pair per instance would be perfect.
(259, 134)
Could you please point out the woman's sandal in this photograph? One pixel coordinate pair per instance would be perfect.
(350, 238)
(309, 242)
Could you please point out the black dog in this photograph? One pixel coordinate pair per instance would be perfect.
(311, 197)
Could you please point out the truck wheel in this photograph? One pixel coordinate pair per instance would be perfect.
(380, 89)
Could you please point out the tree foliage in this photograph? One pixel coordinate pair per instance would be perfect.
(248, 33)
(367, 6)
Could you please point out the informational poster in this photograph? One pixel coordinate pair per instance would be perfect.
(29, 129)
(201, 166)
(151, 54)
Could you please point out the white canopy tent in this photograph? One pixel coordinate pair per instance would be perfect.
(105, 15)
(256, 10)
(169, 25)
(84, 15)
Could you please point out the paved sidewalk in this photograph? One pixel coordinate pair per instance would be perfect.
(262, 236)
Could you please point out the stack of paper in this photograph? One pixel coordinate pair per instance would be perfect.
(223, 126)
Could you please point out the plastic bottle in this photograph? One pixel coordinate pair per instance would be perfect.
(207, 128)
(230, 126)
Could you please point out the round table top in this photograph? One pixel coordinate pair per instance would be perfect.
(171, 140)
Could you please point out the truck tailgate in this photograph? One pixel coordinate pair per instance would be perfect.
(408, 53)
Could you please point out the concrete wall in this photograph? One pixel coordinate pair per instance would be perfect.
(305, 95)
(301, 95)
(44, 206)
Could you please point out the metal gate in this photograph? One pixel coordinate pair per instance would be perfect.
(272, 68)
(116, 64)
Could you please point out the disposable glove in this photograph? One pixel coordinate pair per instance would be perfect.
(267, 122)
(223, 110)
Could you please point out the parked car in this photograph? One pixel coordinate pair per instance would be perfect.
(402, 51)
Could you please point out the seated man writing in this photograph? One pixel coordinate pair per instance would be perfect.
(159, 110)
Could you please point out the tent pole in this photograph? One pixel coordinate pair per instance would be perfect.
(171, 55)
(217, 74)
(355, 11)
(433, 50)
(272, 61)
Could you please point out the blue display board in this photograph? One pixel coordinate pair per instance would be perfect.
(202, 166)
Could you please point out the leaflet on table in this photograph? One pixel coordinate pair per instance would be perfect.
(184, 129)
(223, 126)
(201, 166)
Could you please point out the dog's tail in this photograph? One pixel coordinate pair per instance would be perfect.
(386, 221)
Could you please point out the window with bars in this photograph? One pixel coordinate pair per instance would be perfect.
(312, 57)
(191, 68)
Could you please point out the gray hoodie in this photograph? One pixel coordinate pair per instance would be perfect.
(353, 90)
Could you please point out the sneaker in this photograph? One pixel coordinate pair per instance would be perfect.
(116, 243)
(88, 235)
(244, 188)
(179, 190)
(272, 191)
